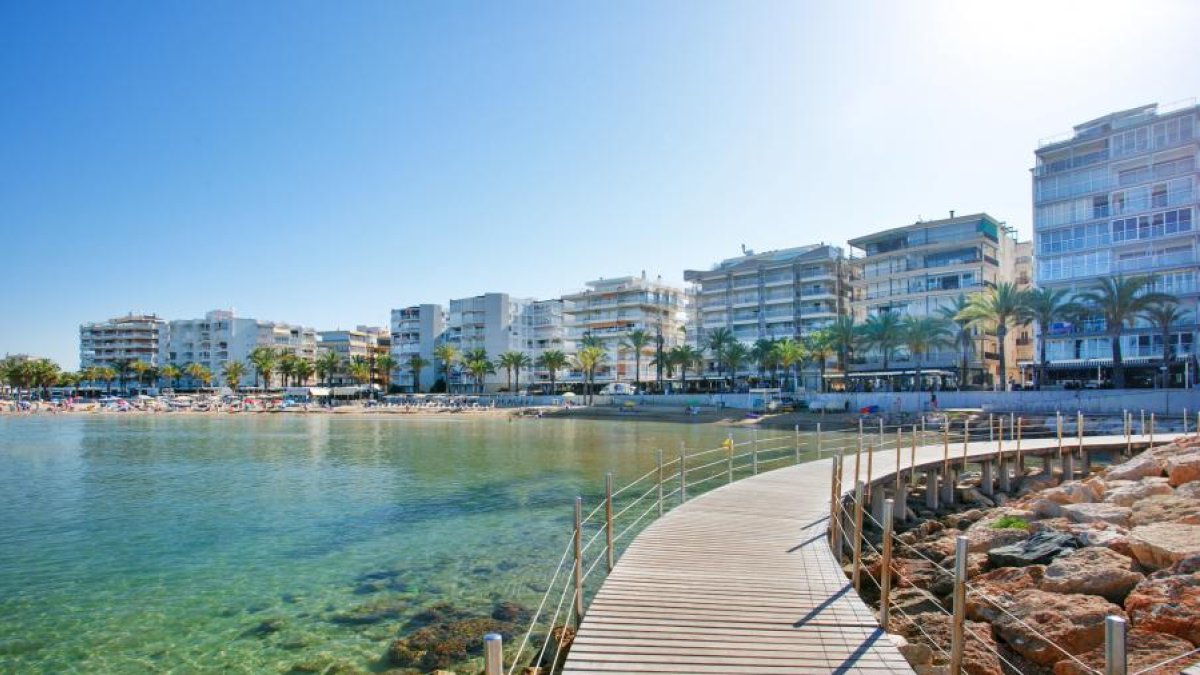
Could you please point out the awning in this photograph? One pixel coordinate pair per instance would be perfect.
(892, 373)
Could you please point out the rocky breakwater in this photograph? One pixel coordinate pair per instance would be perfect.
(1047, 566)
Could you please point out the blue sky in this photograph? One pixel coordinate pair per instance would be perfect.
(321, 163)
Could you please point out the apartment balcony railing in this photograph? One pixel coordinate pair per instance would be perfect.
(1154, 262)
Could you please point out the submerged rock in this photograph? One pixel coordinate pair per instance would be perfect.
(443, 645)
(265, 628)
(372, 612)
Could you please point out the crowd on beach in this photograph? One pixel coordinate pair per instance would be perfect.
(142, 404)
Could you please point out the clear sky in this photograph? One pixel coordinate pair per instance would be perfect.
(323, 162)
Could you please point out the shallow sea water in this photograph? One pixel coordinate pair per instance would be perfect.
(158, 544)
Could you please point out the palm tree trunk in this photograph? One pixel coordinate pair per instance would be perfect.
(919, 382)
(637, 369)
(1166, 377)
(1118, 366)
(1002, 334)
(1041, 358)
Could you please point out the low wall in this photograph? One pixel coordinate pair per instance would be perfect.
(1162, 401)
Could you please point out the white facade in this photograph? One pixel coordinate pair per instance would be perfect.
(133, 337)
(221, 337)
(608, 310)
(416, 331)
(365, 342)
(543, 329)
(1120, 195)
(491, 322)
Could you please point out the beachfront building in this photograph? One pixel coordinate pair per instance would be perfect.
(543, 329)
(1118, 195)
(491, 322)
(123, 340)
(609, 310)
(1023, 353)
(914, 270)
(789, 293)
(415, 332)
(221, 337)
(365, 342)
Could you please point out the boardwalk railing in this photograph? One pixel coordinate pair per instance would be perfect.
(597, 536)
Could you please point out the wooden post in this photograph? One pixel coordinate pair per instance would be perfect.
(493, 654)
(608, 521)
(835, 492)
(729, 456)
(885, 582)
(839, 466)
(1020, 457)
(578, 560)
(870, 469)
(931, 489)
(960, 605)
(948, 483)
(912, 459)
(899, 450)
(858, 533)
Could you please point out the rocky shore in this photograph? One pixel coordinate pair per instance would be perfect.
(1048, 563)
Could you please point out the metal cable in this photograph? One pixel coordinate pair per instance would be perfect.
(630, 505)
(634, 523)
(562, 636)
(1031, 629)
(635, 481)
(1160, 664)
(553, 622)
(705, 480)
(992, 649)
(545, 596)
(592, 567)
(709, 465)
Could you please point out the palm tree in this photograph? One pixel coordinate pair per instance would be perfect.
(44, 374)
(197, 373)
(788, 353)
(107, 374)
(920, 334)
(328, 363)
(447, 354)
(820, 346)
(140, 369)
(589, 340)
(69, 380)
(415, 364)
(286, 364)
(684, 357)
(1046, 306)
(845, 337)
(734, 356)
(478, 365)
(263, 360)
(883, 331)
(637, 341)
(386, 365)
(716, 342)
(508, 361)
(588, 359)
(232, 371)
(19, 374)
(122, 367)
(304, 371)
(359, 370)
(1163, 315)
(955, 312)
(763, 353)
(171, 373)
(999, 307)
(1119, 300)
(553, 361)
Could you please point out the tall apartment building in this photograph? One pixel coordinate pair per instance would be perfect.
(1118, 195)
(608, 310)
(416, 331)
(133, 337)
(366, 342)
(917, 269)
(221, 337)
(543, 329)
(1023, 354)
(787, 293)
(492, 322)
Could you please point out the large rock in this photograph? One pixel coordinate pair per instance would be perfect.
(1100, 512)
(1000, 587)
(1038, 549)
(1092, 571)
(1145, 464)
(1074, 623)
(1190, 490)
(913, 601)
(1131, 492)
(1045, 508)
(1169, 601)
(978, 655)
(984, 535)
(1170, 508)
(1162, 544)
(1183, 468)
(1143, 649)
(1070, 493)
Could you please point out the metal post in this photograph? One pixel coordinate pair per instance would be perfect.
(931, 489)
(912, 459)
(1143, 423)
(966, 440)
(991, 427)
(608, 520)
(1115, 662)
(960, 604)
(682, 474)
(493, 654)
(1185, 421)
(1151, 430)
(987, 481)
(899, 461)
(578, 560)
(660, 483)
(858, 519)
(885, 581)
(1020, 457)
(882, 441)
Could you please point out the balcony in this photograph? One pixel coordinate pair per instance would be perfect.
(1154, 262)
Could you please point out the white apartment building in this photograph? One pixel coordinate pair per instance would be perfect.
(133, 337)
(610, 309)
(1023, 353)
(916, 270)
(415, 332)
(221, 337)
(366, 342)
(543, 329)
(1118, 195)
(491, 322)
(787, 293)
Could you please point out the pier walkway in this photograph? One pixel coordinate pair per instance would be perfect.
(742, 580)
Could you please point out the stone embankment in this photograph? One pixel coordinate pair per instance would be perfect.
(1047, 564)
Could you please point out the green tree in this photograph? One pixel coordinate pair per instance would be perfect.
(1162, 315)
(637, 341)
(955, 312)
(763, 353)
(43, 374)
(328, 363)
(478, 366)
(789, 353)
(684, 357)
(232, 371)
(122, 368)
(263, 360)
(140, 370)
(588, 359)
(198, 373)
(1119, 300)
(1045, 306)
(415, 365)
(820, 346)
(921, 334)
(844, 335)
(553, 360)
(513, 362)
(285, 363)
(107, 375)
(359, 370)
(716, 342)
(386, 365)
(171, 373)
(1000, 307)
(733, 357)
(303, 372)
(883, 332)
(447, 354)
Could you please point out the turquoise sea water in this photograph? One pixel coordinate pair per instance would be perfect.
(164, 544)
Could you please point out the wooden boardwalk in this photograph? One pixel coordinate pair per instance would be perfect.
(741, 580)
